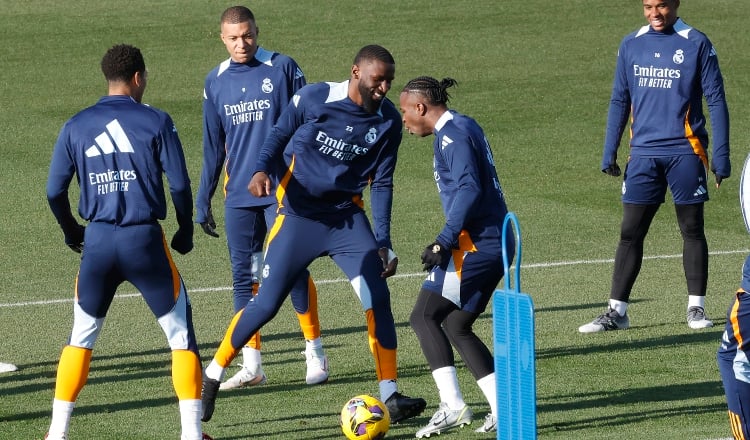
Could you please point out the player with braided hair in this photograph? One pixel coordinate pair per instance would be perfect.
(465, 260)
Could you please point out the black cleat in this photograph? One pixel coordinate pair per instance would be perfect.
(403, 407)
(208, 397)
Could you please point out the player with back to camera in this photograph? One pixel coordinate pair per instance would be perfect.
(465, 262)
(663, 71)
(243, 98)
(119, 150)
(335, 139)
(732, 355)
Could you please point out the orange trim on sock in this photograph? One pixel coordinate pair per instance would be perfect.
(186, 374)
(385, 359)
(72, 372)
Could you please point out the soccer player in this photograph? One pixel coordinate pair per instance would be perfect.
(465, 262)
(243, 98)
(732, 355)
(118, 149)
(7, 368)
(663, 71)
(335, 139)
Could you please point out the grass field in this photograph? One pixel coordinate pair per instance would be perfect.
(535, 74)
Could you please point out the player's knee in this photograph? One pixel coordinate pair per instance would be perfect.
(86, 329)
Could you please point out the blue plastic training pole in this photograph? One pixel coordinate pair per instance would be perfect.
(515, 364)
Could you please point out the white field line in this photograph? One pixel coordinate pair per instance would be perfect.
(407, 275)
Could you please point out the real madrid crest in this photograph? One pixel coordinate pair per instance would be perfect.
(679, 56)
(371, 136)
(267, 86)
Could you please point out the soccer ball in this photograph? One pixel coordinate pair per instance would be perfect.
(365, 418)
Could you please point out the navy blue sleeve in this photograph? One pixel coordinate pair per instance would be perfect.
(172, 160)
(289, 121)
(61, 172)
(619, 110)
(713, 89)
(214, 155)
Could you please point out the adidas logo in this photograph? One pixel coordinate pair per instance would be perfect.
(445, 142)
(700, 191)
(111, 140)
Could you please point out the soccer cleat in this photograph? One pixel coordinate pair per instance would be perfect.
(208, 397)
(244, 378)
(204, 436)
(446, 418)
(697, 319)
(490, 424)
(7, 368)
(611, 320)
(55, 437)
(317, 367)
(402, 407)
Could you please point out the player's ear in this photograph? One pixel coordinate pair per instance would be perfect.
(355, 71)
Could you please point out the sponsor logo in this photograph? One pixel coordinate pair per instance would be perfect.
(112, 140)
(339, 148)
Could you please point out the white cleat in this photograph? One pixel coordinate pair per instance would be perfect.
(244, 378)
(697, 319)
(446, 418)
(7, 368)
(317, 367)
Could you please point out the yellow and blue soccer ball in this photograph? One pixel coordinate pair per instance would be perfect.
(364, 417)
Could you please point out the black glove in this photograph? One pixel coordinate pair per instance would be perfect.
(209, 226)
(434, 255)
(74, 237)
(182, 241)
(613, 170)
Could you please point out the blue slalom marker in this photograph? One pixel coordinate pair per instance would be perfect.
(515, 362)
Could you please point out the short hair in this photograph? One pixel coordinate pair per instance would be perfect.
(434, 91)
(121, 62)
(374, 52)
(237, 14)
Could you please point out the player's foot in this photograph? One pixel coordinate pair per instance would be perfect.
(611, 320)
(245, 378)
(697, 319)
(317, 367)
(208, 397)
(446, 418)
(204, 436)
(7, 368)
(490, 424)
(55, 437)
(402, 407)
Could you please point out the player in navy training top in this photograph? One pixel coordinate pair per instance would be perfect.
(119, 150)
(732, 355)
(465, 260)
(336, 138)
(663, 72)
(243, 97)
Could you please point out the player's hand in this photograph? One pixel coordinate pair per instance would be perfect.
(74, 237)
(182, 241)
(434, 255)
(209, 226)
(719, 177)
(613, 170)
(390, 261)
(260, 185)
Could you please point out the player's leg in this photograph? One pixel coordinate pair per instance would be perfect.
(644, 189)
(245, 229)
(733, 362)
(688, 182)
(293, 243)
(352, 246)
(304, 296)
(155, 275)
(96, 284)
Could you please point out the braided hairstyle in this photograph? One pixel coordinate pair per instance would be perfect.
(434, 91)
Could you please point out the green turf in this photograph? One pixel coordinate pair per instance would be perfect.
(535, 74)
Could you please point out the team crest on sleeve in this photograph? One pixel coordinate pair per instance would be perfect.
(371, 136)
(267, 86)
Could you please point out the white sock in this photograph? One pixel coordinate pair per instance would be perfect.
(215, 371)
(61, 412)
(190, 419)
(489, 389)
(387, 388)
(446, 380)
(251, 359)
(621, 307)
(314, 345)
(696, 301)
